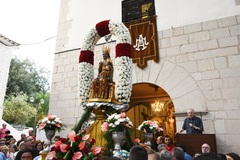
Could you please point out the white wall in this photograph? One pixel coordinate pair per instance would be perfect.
(180, 13)
(85, 14)
(6, 55)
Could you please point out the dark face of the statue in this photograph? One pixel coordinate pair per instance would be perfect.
(106, 55)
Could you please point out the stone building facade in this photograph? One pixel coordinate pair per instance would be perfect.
(199, 68)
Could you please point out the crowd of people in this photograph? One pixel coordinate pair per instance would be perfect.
(27, 148)
(165, 150)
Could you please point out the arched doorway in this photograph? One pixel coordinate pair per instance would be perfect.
(144, 95)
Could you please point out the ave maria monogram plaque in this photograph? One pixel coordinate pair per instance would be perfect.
(144, 41)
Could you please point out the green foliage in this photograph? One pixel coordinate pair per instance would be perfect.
(17, 110)
(25, 77)
(42, 109)
(84, 118)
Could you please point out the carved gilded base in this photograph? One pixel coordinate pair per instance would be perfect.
(43, 155)
(95, 129)
(111, 95)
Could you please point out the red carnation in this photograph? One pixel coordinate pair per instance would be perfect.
(54, 158)
(86, 56)
(123, 49)
(53, 148)
(85, 150)
(68, 147)
(102, 28)
(76, 138)
(83, 131)
(92, 141)
(63, 140)
(57, 148)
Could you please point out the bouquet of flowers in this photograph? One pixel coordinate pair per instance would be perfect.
(50, 122)
(149, 127)
(117, 122)
(124, 154)
(77, 146)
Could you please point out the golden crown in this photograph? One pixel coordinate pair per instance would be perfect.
(106, 49)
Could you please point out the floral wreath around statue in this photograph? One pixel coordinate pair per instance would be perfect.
(123, 60)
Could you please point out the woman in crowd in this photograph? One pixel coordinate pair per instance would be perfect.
(12, 141)
(39, 145)
(13, 151)
(4, 150)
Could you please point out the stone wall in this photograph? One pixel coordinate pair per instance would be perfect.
(199, 68)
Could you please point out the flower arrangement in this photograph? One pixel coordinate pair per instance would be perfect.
(149, 127)
(117, 122)
(50, 122)
(77, 146)
(123, 65)
(124, 154)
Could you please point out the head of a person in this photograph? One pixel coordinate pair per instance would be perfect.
(138, 153)
(181, 146)
(160, 140)
(4, 149)
(21, 146)
(232, 156)
(152, 155)
(13, 148)
(4, 125)
(7, 132)
(178, 153)
(39, 145)
(12, 141)
(190, 113)
(30, 132)
(23, 135)
(207, 156)
(167, 140)
(165, 155)
(29, 142)
(26, 154)
(161, 147)
(206, 148)
(2, 141)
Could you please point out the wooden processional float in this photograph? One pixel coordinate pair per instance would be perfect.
(119, 92)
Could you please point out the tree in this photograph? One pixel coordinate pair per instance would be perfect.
(25, 77)
(17, 110)
(42, 109)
